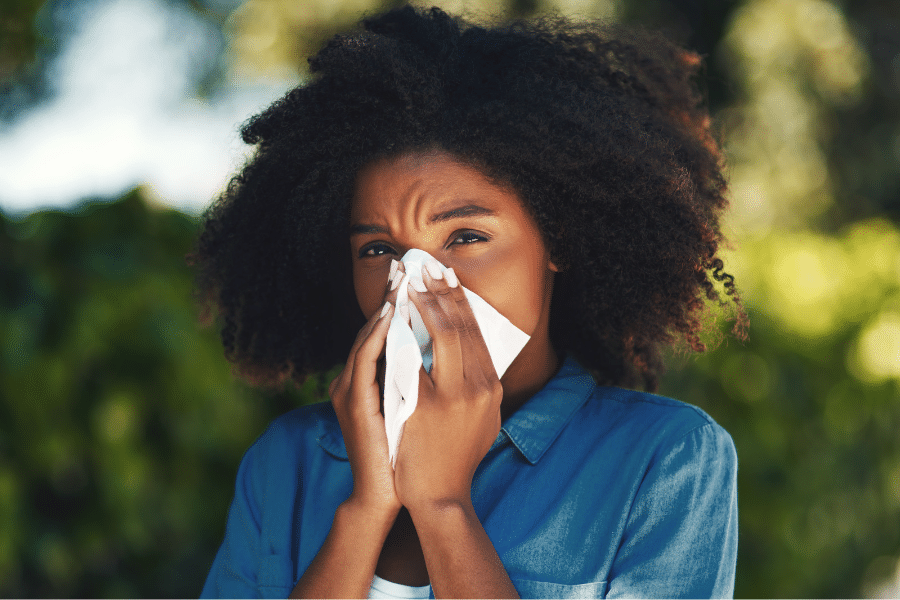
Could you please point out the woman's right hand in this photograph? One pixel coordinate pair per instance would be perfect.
(356, 396)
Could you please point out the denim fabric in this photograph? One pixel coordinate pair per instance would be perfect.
(587, 491)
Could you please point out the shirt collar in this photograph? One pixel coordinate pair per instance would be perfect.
(531, 429)
(537, 424)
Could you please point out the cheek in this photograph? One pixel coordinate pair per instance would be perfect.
(369, 286)
(512, 284)
(522, 298)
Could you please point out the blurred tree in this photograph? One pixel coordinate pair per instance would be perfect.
(120, 425)
(811, 402)
(864, 158)
(20, 55)
(18, 39)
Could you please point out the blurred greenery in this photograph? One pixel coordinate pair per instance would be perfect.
(121, 427)
(120, 424)
(18, 39)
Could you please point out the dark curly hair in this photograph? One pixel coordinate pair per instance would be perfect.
(599, 129)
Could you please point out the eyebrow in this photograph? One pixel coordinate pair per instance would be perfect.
(469, 210)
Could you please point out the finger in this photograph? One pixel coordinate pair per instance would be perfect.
(357, 343)
(390, 296)
(365, 366)
(475, 353)
(445, 299)
(447, 348)
(392, 287)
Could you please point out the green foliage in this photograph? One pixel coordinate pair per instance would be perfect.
(18, 39)
(121, 427)
(811, 402)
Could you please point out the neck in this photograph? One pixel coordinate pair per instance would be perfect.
(527, 375)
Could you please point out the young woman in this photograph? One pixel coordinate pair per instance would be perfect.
(566, 174)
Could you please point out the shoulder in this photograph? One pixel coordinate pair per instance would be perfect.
(651, 424)
(649, 410)
(289, 434)
(304, 419)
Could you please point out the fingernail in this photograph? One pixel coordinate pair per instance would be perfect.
(398, 277)
(417, 284)
(394, 263)
(450, 275)
(434, 269)
(384, 311)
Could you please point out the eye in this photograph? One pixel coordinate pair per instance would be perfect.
(467, 237)
(364, 253)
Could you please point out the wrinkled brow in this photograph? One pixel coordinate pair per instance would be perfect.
(469, 210)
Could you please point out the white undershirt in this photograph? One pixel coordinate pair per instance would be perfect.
(382, 588)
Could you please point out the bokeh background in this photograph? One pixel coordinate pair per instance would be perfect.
(121, 426)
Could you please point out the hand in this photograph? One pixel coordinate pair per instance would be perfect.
(457, 417)
(356, 396)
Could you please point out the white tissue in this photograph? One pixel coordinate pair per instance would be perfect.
(409, 348)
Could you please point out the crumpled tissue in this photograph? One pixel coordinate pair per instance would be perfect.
(408, 348)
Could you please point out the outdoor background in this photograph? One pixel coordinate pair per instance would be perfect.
(121, 427)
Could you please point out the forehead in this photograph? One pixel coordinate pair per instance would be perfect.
(425, 179)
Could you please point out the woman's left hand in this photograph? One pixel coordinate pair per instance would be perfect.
(457, 417)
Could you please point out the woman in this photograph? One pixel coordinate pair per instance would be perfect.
(566, 174)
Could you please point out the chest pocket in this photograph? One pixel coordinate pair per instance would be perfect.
(543, 589)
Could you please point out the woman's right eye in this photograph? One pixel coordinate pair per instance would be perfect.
(375, 250)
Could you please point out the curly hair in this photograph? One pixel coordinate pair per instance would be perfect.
(599, 128)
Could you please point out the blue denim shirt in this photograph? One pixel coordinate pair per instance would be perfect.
(587, 491)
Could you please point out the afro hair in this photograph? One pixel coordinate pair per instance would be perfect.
(599, 128)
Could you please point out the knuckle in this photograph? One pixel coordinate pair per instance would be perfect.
(485, 395)
(458, 322)
(445, 325)
(470, 327)
(430, 301)
(487, 391)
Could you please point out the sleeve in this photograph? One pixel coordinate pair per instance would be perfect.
(680, 539)
(234, 570)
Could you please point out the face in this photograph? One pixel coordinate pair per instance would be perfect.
(449, 209)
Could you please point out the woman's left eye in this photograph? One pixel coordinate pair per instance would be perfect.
(468, 237)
